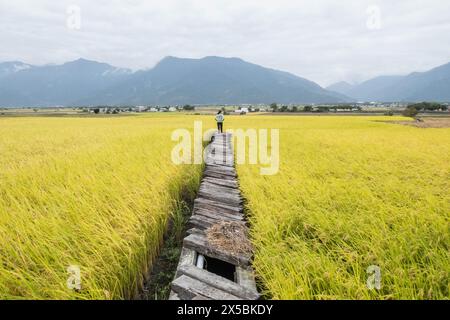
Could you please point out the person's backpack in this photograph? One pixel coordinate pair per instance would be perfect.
(219, 117)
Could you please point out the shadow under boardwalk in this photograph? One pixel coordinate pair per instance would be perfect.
(207, 271)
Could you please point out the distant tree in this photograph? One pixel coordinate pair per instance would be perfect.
(294, 109)
(410, 111)
(308, 109)
(188, 107)
(97, 110)
(428, 106)
(323, 109)
(274, 107)
(346, 107)
(284, 108)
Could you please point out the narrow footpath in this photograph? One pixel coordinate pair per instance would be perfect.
(215, 262)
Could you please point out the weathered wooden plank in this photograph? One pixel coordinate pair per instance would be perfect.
(220, 154)
(221, 161)
(230, 184)
(187, 257)
(222, 141)
(201, 245)
(211, 218)
(195, 231)
(220, 206)
(188, 288)
(220, 198)
(218, 218)
(220, 145)
(245, 277)
(207, 186)
(218, 210)
(214, 213)
(200, 297)
(213, 204)
(203, 222)
(173, 296)
(223, 135)
(220, 168)
(216, 175)
(220, 165)
(219, 189)
(225, 185)
(219, 282)
(200, 223)
(222, 138)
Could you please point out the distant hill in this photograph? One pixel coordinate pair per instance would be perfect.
(11, 67)
(433, 85)
(57, 84)
(209, 80)
(214, 80)
(340, 87)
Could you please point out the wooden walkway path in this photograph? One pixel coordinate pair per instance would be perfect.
(200, 274)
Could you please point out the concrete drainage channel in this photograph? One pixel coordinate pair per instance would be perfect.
(215, 262)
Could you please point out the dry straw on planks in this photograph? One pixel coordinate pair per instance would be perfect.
(231, 237)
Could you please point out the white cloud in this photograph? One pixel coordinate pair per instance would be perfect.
(324, 41)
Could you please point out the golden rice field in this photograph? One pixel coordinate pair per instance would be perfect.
(93, 193)
(351, 192)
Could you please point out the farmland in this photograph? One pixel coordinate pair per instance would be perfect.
(85, 192)
(351, 193)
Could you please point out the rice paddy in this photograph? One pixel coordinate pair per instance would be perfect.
(351, 193)
(94, 194)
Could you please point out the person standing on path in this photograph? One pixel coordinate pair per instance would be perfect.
(219, 119)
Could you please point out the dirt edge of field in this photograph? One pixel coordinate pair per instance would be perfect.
(425, 123)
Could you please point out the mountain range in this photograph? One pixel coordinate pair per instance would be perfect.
(25, 85)
(210, 80)
(432, 85)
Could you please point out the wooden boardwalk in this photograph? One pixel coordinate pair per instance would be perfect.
(218, 201)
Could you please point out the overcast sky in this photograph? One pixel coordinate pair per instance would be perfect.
(322, 40)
